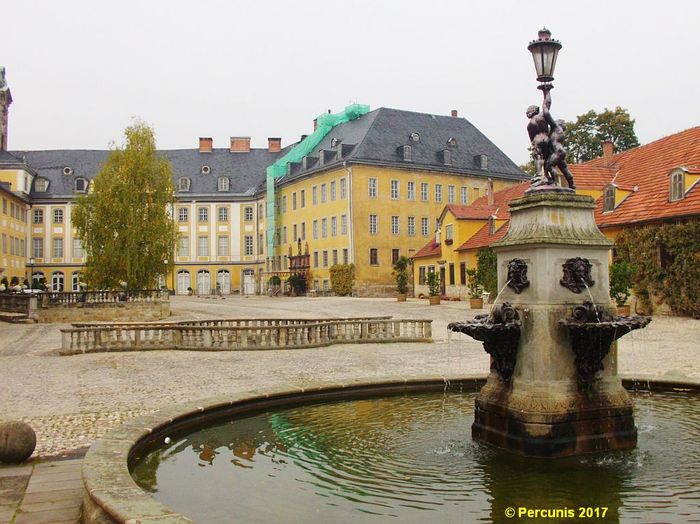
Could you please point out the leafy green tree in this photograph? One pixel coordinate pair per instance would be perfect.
(486, 271)
(585, 136)
(123, 222)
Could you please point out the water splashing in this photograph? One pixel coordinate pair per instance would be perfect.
(499, 295)
(595, 308)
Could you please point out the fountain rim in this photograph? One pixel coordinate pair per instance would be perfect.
(111, 495)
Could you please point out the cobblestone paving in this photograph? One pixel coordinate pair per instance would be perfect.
(70, 401)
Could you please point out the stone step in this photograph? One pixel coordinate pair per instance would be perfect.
(6, 316)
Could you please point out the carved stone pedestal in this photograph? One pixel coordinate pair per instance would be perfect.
(546, 409)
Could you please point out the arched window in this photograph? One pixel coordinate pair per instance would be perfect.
(183, 184)
(183, 283)
(203, 282)
(677, 186)
(74, 281)
(609, 198)
(81, 185)
(57, 281)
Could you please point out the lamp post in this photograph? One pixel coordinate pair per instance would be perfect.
(31, 272)
(544, 53)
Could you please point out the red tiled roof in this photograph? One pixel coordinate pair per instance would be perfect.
(484, 238)
(592, 177)
(431, 249)
(501, 199)
(648, 167)
(471, 211)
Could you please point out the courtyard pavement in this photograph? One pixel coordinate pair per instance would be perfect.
(72, 400)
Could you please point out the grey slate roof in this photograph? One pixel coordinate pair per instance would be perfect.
(8, 160)
(373, 138)
(378, 135)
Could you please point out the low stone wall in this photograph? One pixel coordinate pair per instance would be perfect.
(124, 311)
(267, 334)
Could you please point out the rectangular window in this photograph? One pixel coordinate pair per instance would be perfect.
(373, 256)
(303, 230)
(411, 190)
(334, 226)
(421, 275)
(78, 251)
(38, 247)
(261, 244)
(57, 248)
(343, 188)
(315, 258)
(394, 189)
(324, 227)
(411, 226)
(345, 256)
(424, 226)
(302, 197)
(343, 224)
(294, 230)
(261, 211)
(314, 227)
(424, 191)
(325, 258)
(372, 187)
(332, 190)
(203, 214)
(463, 273)
(183, 214)
(394, 256)
(450, 194)
(284, 204)
(248, 245)
(394, 225)
(314, 195)
(284, 235)
(222, 246)
(323, 193)
(373, 229)
(203, 246)
(438, 192)
(335, 257)
(223, 214)
(183, 248)
(38, 216)
(448, 232)
(58, 216)
(452, 274)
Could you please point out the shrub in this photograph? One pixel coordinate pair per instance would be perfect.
(620, 281)
(275, 281)
(475, 289)
(486, 271)
(342, 279)
(297, 283)
(433, 281)
(401, 274)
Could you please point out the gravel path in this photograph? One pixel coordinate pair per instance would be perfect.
(70, 401)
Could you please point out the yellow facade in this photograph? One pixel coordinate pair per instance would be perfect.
(13, 234)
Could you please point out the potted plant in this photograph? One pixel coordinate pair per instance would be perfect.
(475, 291)
(620, 284)
(190, 291)
(433, 281)
(274, 285)
(401, 274)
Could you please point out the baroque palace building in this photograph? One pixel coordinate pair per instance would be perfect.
(366, 190)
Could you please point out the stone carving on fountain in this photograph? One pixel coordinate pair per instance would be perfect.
(577, 275)
(517, 275)
(592, 330)
(500, 333)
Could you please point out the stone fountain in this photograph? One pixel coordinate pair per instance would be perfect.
(553, 389)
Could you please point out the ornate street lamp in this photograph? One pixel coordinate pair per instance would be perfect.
(544, 52)
(31, 272)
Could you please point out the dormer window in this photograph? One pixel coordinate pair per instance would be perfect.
(448, 234)
(483, 162)
(609, 198)
(415, 137)
(406, 153)
(677, 186)
(447, 157)
(223, 183)
(492, 225)
(68, 171)
(41, 185)
(81, 185)
(183, 184)
(206, 170)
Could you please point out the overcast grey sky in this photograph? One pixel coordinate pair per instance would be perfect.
(79, 70)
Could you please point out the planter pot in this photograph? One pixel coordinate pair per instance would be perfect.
(401, 297)
(623, 311)
(476, 303)
(434, 300)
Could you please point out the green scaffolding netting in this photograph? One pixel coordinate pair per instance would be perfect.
(324, 124)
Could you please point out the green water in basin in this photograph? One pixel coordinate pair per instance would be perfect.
(411, 458)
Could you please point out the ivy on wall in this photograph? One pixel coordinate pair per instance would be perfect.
(342, 279)
(666, 262)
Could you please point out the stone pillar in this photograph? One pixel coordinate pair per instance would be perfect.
(544, 410)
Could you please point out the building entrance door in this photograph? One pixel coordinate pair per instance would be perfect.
(249, 282)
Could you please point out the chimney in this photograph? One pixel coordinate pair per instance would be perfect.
(315, 124)
(489, 191)
(274, 144)
(240, 144)
(206, 144)
(608, 152)
(455, 114)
